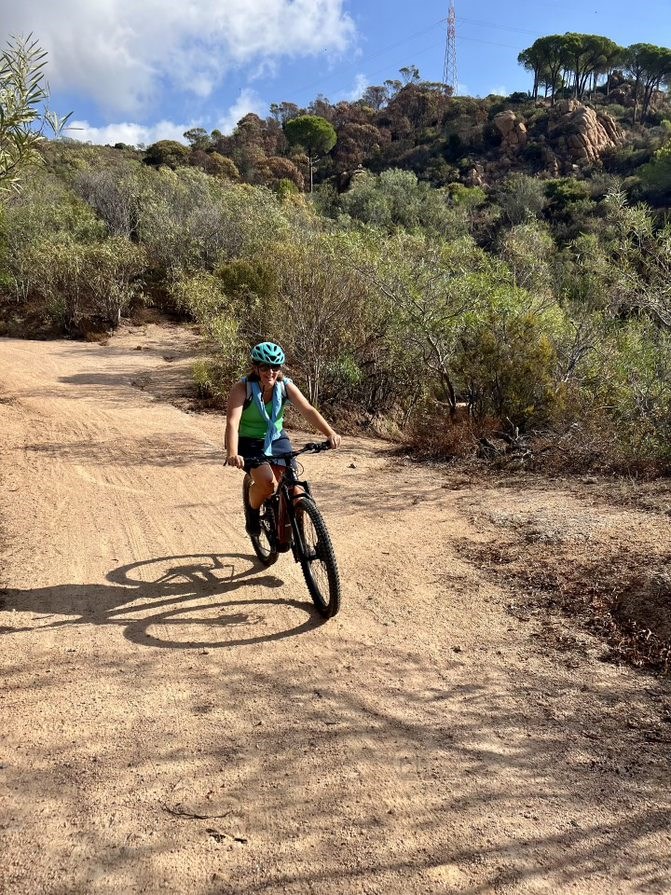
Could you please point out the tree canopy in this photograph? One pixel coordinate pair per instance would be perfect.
(649, 66)
(315, 134)
(574, 63)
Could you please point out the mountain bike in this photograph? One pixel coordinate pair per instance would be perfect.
(291, 520)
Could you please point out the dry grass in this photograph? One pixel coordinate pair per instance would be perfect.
(610, 597)
(591, 446)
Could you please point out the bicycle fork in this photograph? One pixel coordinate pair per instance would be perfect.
(297, 541)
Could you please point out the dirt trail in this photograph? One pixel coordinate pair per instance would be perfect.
(176, 719)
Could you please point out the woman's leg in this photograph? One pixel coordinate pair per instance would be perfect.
(263, 485)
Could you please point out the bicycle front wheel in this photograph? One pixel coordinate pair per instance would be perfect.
(317, 558)
(264, 543)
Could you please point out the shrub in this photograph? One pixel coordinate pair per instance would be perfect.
(656, 176)
(617, 111)
(397, 199)
(508, 359)
(626, 160)
(189, 220)
(468, 197)
(529, 250)
(202, 295)
(166, 152)
(113, 193)
(521, 197)
(88, 284)
(213, 379)
(628, 381)
(321, 312)
(562, 192)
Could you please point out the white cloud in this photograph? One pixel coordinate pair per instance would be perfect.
(500, 90)
(126, 132)
(247, 102)
(120, 52)
(135, 134)
(360, 84)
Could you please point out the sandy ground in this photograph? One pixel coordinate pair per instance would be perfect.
(175, 718)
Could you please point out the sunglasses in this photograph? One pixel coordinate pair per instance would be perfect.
(266, 368)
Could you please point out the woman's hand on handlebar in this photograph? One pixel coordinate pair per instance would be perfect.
(235, 460)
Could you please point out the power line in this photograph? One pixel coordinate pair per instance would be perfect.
(315, 85)
(398, 43)
(491, 43)
(495, 25)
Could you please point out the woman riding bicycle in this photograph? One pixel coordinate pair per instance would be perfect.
(254, 424)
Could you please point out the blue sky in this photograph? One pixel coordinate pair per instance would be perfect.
(141, 70)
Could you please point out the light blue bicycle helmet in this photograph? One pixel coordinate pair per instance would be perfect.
(267, 353)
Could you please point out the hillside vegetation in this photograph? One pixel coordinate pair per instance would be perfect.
(472, 276)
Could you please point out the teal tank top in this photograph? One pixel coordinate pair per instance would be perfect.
(253, 425)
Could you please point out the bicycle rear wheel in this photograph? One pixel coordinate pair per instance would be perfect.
(318, 560)
(264, 543)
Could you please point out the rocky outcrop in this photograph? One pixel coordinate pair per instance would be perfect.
(579, 134)
(513, 131)
(553, 141)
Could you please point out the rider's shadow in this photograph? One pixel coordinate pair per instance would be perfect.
(187, 591)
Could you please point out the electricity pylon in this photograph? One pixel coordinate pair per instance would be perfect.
(450, 78)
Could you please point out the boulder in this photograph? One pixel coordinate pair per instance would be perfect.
(580, 134)
(513, 131)
(551, 162)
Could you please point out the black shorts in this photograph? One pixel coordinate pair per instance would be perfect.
(252, 449)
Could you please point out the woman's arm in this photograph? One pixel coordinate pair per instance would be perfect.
(236, 400)
(312, 415)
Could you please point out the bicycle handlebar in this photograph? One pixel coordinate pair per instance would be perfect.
(312, 447)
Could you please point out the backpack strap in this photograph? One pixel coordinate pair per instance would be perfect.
(250, 394)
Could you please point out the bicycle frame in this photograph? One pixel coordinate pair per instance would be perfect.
(284, 498)
(287, 511)
(290, 518)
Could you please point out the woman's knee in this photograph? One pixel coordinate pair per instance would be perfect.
(267, 489)
(265, 482)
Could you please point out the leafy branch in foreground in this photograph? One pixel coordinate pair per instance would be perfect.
(23, 117)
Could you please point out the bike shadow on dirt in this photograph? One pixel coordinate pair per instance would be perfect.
(170, 595)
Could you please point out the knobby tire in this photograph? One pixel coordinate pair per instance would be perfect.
(319, 565)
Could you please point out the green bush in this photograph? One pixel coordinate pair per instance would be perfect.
(397, 199)
(521, 198)
(508, 359)
(626, 160)
(656, 176)
(189, 220)
(628, 381)
(213, 380)
(619, 112)
(87, 284)
(530, 252)
(166, 152)
(565, 191)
